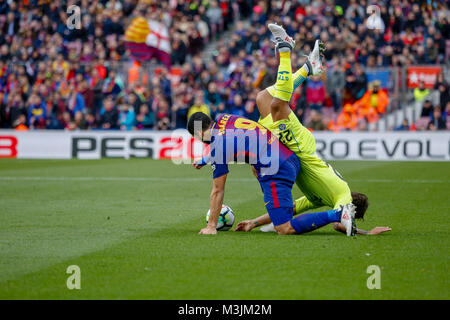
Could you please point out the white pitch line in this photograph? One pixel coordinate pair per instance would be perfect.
(403, 181)
(12, 178)
(103, 179)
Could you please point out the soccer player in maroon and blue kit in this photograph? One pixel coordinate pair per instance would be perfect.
(237, 139)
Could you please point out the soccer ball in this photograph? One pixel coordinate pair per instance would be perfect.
(226, 218)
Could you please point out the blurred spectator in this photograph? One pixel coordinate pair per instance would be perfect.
(87, 94)
(20, 123)
(162, 114)
(315, 93)
(112, 84)
(214, 14)
(237, 106)
(431, 51)
(373, 103)
(404, 126)
(315, 122)
(443, 91)
(198, 106)
(91, 122)
(347, 119)
(127, 117)
(427, 108)
(37, 111)
(165, 84)
(360, 83)
(179, 50)
(163, 124)
(79, 122)
(135, 101)
(335, 85)
(362, 125)
(437, 122)
(75, 101)
(110, 116)
(421, 92)
(212, 96)
(180, 108)
(17, 109)
(447, 112)
(356, 84)
(145, 118)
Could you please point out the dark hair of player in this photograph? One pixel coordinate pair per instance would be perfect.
(201, 117)
(361, 202)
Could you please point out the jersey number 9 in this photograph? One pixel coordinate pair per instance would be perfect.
(245, 124)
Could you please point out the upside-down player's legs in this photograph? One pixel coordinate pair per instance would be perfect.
(279, 105)
(264, 97)
(312, 66)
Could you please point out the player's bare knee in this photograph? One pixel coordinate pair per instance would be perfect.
(336, 226)
(260, 98)
(277, 103)
(285, 229)
(263, 99)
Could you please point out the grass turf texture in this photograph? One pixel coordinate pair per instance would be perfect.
(131, 226)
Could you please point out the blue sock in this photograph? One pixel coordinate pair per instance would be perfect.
(311, 221)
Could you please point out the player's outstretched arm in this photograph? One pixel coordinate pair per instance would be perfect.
(377, 230)
(249, 225)
(215, 204)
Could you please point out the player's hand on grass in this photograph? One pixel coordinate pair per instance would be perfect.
(208, 230)
(246, 225)
(378, 230)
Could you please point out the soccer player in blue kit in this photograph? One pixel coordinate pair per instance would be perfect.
(237, 139)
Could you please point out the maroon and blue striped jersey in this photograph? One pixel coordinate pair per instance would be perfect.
(239, 140)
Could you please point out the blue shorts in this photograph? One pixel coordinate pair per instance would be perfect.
(277, 191)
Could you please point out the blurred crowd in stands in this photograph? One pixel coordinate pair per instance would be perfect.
(434, 105)
(53, 77)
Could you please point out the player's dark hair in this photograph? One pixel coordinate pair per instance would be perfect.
(204, 119)
(361, 202)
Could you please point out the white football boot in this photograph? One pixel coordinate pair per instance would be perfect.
(348, 218)
(315, 59)
(280, 36)
(268, 228)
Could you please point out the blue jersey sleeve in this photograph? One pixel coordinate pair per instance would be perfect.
(203, 161)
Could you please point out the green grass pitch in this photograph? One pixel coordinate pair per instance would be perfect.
(131, 226)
